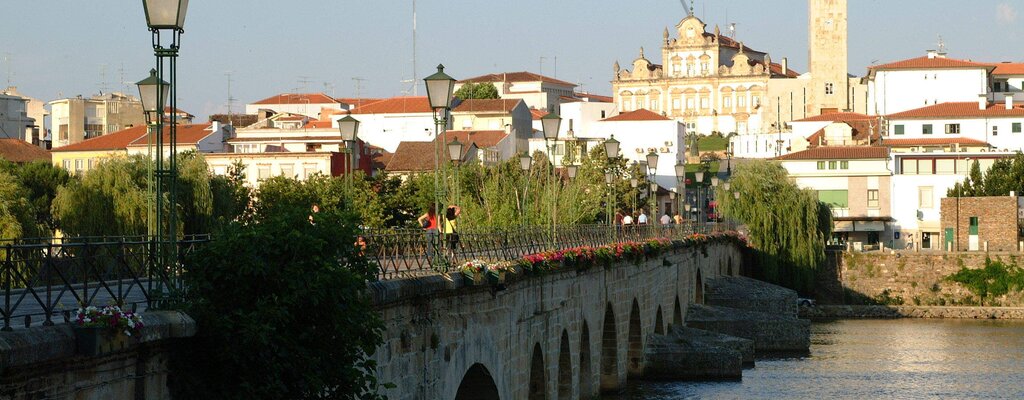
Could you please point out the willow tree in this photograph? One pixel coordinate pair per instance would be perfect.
(16, 219)
(787, 225)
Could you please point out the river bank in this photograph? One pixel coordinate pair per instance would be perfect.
(823, 312)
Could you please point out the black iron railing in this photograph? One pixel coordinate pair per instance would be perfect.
(413, 252)
(44, 279)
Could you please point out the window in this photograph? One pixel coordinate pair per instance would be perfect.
(844, 165)
(309, 170)
(829, 89)
(727, 102)
(703, 102)
(926, 129)
(741, 102)
(654, 105)
(997, 86)
(602, 114)
(924, 197)
(559, 149)
(287, 170)
(1015, 128)
(953, 128)
(995, 131)
(821, 165)
(831, 165)
(755, 101)
(835, 198)
(973, 226)
(909, 167)
(675, 104)
(872, 198)
(704, 68)
(689, 103)
(67, 165)
(79, 165)
(62, 133)
(945, 166)
(262, 172)
(924, 167)
(897, 129)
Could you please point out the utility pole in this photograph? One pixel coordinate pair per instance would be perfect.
(231, 100)
(10, 73)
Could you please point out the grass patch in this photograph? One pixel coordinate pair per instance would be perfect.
(712, 143)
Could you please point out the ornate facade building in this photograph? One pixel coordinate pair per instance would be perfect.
(710, 82)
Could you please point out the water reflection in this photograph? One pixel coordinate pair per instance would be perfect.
(873, 359)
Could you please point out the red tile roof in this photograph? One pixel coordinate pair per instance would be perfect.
(136, 136)
(595, 97)
(521, 76)
(290, 139)
(487, 105)
(776, 70)
(396, 105)
(930, 63)
(862, 132)
(638, 115)
(317, 124)
(837, 117)
(1008, 68)
(537, 114)
(933, 141)
(298, 98)
(19, 151)
(961, 110)
(838, 153)
(412, 156)
(356, 101)
(483, 139)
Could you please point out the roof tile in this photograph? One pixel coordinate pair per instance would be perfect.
(961, 109)
(136, 136)
(638, 115)
(298, 98)
(487, 105)
(396, 105)
(838, 153)
(926, 62)
(19, 151)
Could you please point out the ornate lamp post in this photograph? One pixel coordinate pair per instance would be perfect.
(455, 156)
(711, 193)
(525, 161)
(349, 128)
(611, 150)
(633, 183)
(680, 170)
(652, 173)
(699, 184)
(164, 16)
(153, 95)
(550, 124)
(439, 94)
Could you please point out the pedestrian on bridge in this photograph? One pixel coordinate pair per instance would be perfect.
(450, 228)
(428, 222)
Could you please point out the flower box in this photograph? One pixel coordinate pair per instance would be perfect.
(94, 341)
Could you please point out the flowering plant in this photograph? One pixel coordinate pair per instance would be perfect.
(473, 267)
(501, 267)
(111, 317)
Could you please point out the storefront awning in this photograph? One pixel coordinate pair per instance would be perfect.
(869, 226)
(843, 226)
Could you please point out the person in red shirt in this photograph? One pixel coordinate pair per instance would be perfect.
(429, 223)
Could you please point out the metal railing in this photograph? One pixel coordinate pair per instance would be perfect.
(48, 278)
(414, 252)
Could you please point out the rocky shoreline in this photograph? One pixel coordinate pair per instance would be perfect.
(875, 312)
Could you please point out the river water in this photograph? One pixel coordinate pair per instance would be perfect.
(878, 359)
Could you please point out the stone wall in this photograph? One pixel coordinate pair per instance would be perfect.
(997, 222)
(909, 278)
(565, 334)
(44, 363)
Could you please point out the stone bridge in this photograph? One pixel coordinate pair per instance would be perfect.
(564, 335)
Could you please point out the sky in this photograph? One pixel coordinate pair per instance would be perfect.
(345, 48)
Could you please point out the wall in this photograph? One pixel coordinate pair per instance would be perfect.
(908, 278)
(896, 91)
(43, 362)
(997, 222)
(437, 331)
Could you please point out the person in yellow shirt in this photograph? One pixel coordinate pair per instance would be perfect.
(450, 227)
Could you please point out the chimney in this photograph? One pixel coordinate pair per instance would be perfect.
(1009, 101)
(932, 54)
(982, 102)
(785, 66)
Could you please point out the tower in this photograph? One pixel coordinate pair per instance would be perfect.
(827, 58)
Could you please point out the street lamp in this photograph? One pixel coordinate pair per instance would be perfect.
(161, 16)
(571, 171)
(652, 170)
(550, 124)
(439, 95)
(525, 162)
(611, 150)
(455, 150)
(348, 127)
(611, 147)
(699, 184)
(609, 178)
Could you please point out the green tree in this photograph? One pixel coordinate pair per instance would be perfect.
(787, 225)
(41, 179)
(280, 303)
(16, 216)
(484, 90)
(1004, 176)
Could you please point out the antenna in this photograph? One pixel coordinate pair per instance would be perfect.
(329, 86)
(103, 79)
(120, 72)
(231, 99)
(359, 90)
(304, 81)
(10, 71)
(942, 45)
(414, 85)
(732, 30)
(687, 8)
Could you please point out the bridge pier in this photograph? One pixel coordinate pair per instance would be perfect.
(565, 335)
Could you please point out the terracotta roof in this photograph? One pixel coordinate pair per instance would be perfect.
(412, 156)
(19, 151)
(396, 105)
(521, 76)
(356, 101)
(487, 105)
(933, 141)
(569, 99)
(838, 116)
(776, 69)
(838, 153)
(292, 117)
(483, 139)
(537, 114)
(279, 139)
(136, 136)
(862, 131)
(930, 63)
(961, 109)
(595, 97)
(298, 98)
(1007, 68)
(638, 115)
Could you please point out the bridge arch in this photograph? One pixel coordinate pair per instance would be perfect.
(609, 352)
(564, 368)
(477, 384)
(659, 323)
(730, 266)
(585, 376)
(677, 314)
(635, 351)
(538, 377)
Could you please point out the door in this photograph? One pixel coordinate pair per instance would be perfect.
(949, 238)
(972, 238)
(926, 240)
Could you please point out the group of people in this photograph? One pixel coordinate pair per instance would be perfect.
(447, 225)
(639, 217)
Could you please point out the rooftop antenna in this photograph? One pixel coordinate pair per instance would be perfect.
(10, 71)
(127, 85)
(304, 81)
(942, 45)
(329, 86)
(414, 83)
(231, 99)
(359, 88)
(103, 79)
(732, 30)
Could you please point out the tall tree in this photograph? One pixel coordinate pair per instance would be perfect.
(484, 90)
(41, 179)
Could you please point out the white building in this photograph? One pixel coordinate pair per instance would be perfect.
(510, 116)
(73, 120)
(388, 122)
(1007, 78)
(14, 120)
(538, 91)
(36, 110)
(1001, 125)
(308, 104)
(917, 82)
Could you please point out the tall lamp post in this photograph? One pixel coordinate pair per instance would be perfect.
(712, 195)
(699, 185)
(633, 183)
(455, 156)
(349, 128)
(652, 173)
(439, 94)
(550, 124)
(680, 170)
(153, 95)
(611, 150)
(525, 161)
(164, 17)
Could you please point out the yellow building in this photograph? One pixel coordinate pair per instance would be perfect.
(85, 155)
